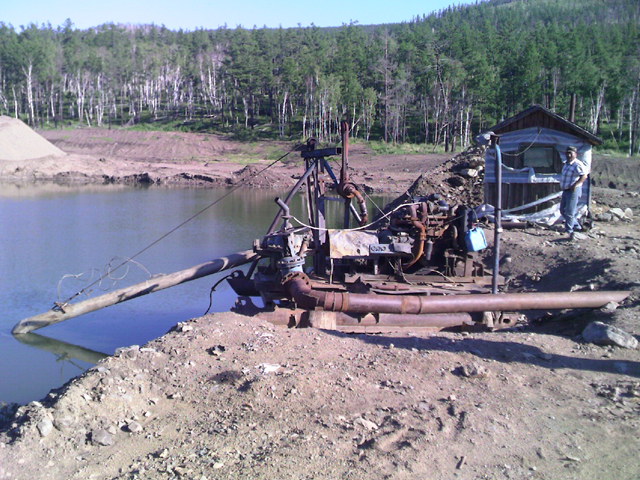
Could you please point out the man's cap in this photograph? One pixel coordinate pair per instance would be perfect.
(572, 149)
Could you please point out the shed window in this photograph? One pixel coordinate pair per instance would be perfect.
(539, 158)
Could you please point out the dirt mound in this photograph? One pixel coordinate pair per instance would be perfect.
(18, 142)
(616, 173)
(459, 179)
(257, 177)
(139, 146)
(230, 397)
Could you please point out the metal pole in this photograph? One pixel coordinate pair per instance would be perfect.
(495, 140)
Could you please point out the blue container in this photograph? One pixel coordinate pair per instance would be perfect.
(475, 239)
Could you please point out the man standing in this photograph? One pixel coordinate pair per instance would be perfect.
(574, 173)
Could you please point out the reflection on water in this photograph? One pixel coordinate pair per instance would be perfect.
(62, 350)
(49, 231)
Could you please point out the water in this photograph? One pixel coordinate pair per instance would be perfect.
(48, 232)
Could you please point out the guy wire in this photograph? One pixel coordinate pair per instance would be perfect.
(58, 304)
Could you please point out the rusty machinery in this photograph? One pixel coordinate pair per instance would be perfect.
(417, 267)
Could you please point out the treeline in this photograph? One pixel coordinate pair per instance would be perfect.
(436, 79)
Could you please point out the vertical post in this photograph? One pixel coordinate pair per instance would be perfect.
(344, 171)
(495, 141)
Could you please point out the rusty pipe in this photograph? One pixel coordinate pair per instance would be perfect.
(350, 190)
(422, 236)
(305, 297)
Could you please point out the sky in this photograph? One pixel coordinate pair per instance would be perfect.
(211, 14)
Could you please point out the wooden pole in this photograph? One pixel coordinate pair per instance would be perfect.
(154, 284)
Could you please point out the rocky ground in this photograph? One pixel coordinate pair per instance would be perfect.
(231, 397)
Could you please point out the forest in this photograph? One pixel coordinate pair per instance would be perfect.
(435, 79)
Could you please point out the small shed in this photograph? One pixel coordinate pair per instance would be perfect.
(533, 145)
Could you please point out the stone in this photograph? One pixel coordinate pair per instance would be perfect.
(602, 334)
(134, 427)
(365, 423)
(610, 307)
(101, 437)
(127, 352)
(183, 327)
(618, 212)
(45, 427)
(469, 173)
(476, 162)
(604, 217)
(63, 422)
(473, 370)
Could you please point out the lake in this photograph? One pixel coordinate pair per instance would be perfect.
(56, 240)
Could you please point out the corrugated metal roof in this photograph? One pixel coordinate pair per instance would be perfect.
(538, 116)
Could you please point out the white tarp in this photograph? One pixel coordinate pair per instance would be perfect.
(547, 217)
(513, 141)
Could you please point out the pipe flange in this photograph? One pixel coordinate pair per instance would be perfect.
(295, 275)
(346, 190)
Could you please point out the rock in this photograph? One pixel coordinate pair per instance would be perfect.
(127, 352)
(63, 422)
(134, 427)
(101, 437)
(618, 212)
(472, 370)
(628, 213)
(469, 173)
(45, 426)
(604, 217)
(476, 162)
(610, 307)
(365, 423)
(267, 368)
(216, 350)
(602, 334)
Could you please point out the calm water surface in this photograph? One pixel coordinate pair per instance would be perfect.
(56, 240)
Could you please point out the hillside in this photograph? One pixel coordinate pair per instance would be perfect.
(436, 79)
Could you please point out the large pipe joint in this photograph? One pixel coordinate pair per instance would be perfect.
(298, 286)
(347, 189)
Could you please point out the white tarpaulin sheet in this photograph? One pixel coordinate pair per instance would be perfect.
(513, 141)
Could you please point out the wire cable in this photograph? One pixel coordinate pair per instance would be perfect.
(59, 304)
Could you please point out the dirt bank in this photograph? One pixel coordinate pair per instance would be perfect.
(231, 397)
(99, 156)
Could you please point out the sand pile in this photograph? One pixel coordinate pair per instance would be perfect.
(18, 142)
